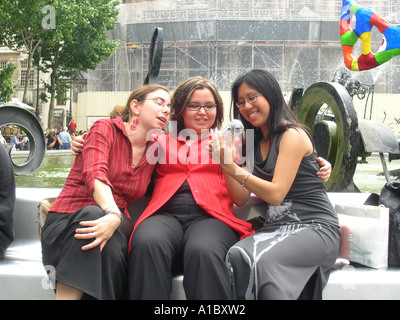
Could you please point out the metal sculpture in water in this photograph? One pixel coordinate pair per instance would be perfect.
(10, 114)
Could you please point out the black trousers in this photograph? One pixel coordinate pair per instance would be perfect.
(7, 201)
(180, 238)
(100, 275)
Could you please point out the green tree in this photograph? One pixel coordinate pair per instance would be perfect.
(73, 34)
(6, 86)
(78, 41)
(22, 26)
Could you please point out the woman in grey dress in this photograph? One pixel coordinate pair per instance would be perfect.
(291, 255)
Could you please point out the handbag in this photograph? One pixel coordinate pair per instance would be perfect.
(43, 208)
(365, 233)
(390, 198)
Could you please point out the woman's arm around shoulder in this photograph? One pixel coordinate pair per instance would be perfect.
(294, 146)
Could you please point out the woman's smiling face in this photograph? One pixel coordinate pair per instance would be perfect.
(255, 113)
(201, 119)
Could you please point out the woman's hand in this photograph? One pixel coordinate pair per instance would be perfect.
(218, 148)
(77, 144)
(325, 169)
(100, 230)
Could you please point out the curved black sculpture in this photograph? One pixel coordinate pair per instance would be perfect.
(31, 126)
(335, 133)
(155, 56)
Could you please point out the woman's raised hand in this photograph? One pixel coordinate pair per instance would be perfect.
(77, 144)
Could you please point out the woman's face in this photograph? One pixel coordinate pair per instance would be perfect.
(256, 112)
(154, 111)
(201, 119)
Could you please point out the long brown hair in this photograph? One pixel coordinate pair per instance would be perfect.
(184, 92)
(138, 94)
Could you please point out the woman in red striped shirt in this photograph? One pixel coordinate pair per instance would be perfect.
(86, 232)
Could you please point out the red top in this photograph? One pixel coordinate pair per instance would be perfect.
(72, 126)
(106, 156)
(179, 162)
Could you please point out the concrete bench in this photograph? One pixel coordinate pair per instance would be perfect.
(23, 277)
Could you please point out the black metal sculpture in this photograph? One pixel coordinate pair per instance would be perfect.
(155, 56)
(339, 135)
(13, 115)
(327, 109)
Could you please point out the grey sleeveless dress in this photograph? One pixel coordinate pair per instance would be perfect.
(291, 255)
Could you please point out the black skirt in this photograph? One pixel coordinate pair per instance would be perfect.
(100, 275)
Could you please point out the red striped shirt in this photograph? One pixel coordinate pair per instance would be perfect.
(106, 156)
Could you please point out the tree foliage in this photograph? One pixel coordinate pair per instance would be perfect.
(20, 21)
(6, 86)
(75, 41)
(78, 42)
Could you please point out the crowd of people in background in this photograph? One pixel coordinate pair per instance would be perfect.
(61, 139)
(56, 139)
(18, 141)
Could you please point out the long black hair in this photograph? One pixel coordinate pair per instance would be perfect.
(281, 116)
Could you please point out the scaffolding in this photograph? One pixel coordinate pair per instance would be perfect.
(297, 41)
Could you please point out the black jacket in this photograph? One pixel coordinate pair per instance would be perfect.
(7, 201)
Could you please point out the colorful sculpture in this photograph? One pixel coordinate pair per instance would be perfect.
(365, 19)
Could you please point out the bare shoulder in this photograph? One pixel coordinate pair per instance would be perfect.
(297, 138)
(296, 134)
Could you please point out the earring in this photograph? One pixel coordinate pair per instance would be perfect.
(134, 124)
